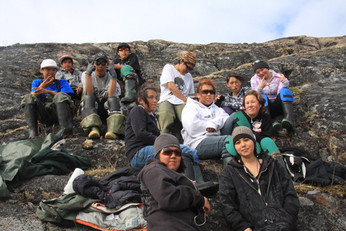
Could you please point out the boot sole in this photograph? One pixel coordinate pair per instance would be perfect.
(287, 124)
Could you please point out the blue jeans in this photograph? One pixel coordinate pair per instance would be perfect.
(141, 156)
(212, 147)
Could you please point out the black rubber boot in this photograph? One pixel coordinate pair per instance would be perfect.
(193, 171)
(288, 121)
(130, 91)
(31, 120)
(65, 118)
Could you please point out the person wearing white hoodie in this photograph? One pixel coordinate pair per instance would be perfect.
(205, 125)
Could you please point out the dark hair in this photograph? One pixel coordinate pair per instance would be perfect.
(142, 92)
(205, 82)
(259, 97)
(239, 77)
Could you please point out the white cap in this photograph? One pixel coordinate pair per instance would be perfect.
(48, 63)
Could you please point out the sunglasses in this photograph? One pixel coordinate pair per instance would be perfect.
(123, 49)
(169, 152)
(187, 66)
(206, 92)
(100, 63)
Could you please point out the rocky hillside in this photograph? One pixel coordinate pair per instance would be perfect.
(314, 66)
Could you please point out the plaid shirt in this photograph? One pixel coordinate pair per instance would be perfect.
(235, 103)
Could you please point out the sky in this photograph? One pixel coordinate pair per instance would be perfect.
(183, 21)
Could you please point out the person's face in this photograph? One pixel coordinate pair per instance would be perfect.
(171, 157)
(48, 72)
(67, 64)
(245, 147)
(234, 84)
(262, 73)
(123, 53)
(206, 95)
(152, 101)
(100, 67)
(186, 67)
(252, 106)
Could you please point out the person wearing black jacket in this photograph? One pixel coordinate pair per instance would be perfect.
(256, 192)
(171, 201)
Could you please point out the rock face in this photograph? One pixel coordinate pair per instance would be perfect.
(314, 66)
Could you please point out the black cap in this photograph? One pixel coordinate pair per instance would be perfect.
(123, 45)
(259, 64)
(163, 141)
(100, 55)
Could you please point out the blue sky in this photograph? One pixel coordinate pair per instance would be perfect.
(186, 21)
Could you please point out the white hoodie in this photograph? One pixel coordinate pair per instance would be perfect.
(197, 117)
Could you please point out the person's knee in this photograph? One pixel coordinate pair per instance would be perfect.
(61, 97)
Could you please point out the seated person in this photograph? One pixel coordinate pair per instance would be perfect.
(256, 193)
(205, 125)
(170, 199)
(71, 74)
(176, 84)
(125, 57)
(141, 131)
(233, 101)
(100, 101)
(49, 102)
(255, 118)
(274, 88)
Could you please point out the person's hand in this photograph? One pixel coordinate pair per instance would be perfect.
(281, 77)
(210, 129)
(110, 62)
(217, 97)
(248, 229)
(206, 207)
(40, 90)
(78, 90)
(90, 69)
(47, 82)
(262, 84)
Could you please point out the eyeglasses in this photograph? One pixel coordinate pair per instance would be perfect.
(100, 63)
(123, 49)
(206, 92)
(169, 152)
(187, 66)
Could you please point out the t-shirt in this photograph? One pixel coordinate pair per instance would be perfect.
(101, 85)
(183, 82)
(64, 87)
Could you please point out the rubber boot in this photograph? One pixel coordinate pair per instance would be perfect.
(65, 118)
(115, 126)
(226, 160)
(31, 120)
(288, 120)
(193, 171)
(276, 127)
(130, 91)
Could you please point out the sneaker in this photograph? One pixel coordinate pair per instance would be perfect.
(285, 123)
(276, 127)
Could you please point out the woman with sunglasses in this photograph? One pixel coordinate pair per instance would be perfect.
(205, 125)
(256, 193)
(171, 201)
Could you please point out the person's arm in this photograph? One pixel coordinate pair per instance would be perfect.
(193, 125)
(112, 87)
(169, 195)
(230, 203)
(171, 86)
(139, 123)
(89, 88)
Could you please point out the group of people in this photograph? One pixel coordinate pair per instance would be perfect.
(255, 190)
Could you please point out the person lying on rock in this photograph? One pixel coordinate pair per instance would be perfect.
(49, 102)
(274, 88)
(101, 101)
(141, 131)
(256, 193)
(171, 201)
(176, 85)
(205, 125)
(232, 101)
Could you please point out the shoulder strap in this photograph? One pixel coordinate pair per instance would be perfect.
(58, 85)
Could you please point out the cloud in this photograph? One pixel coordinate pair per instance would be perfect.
(194, 21)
